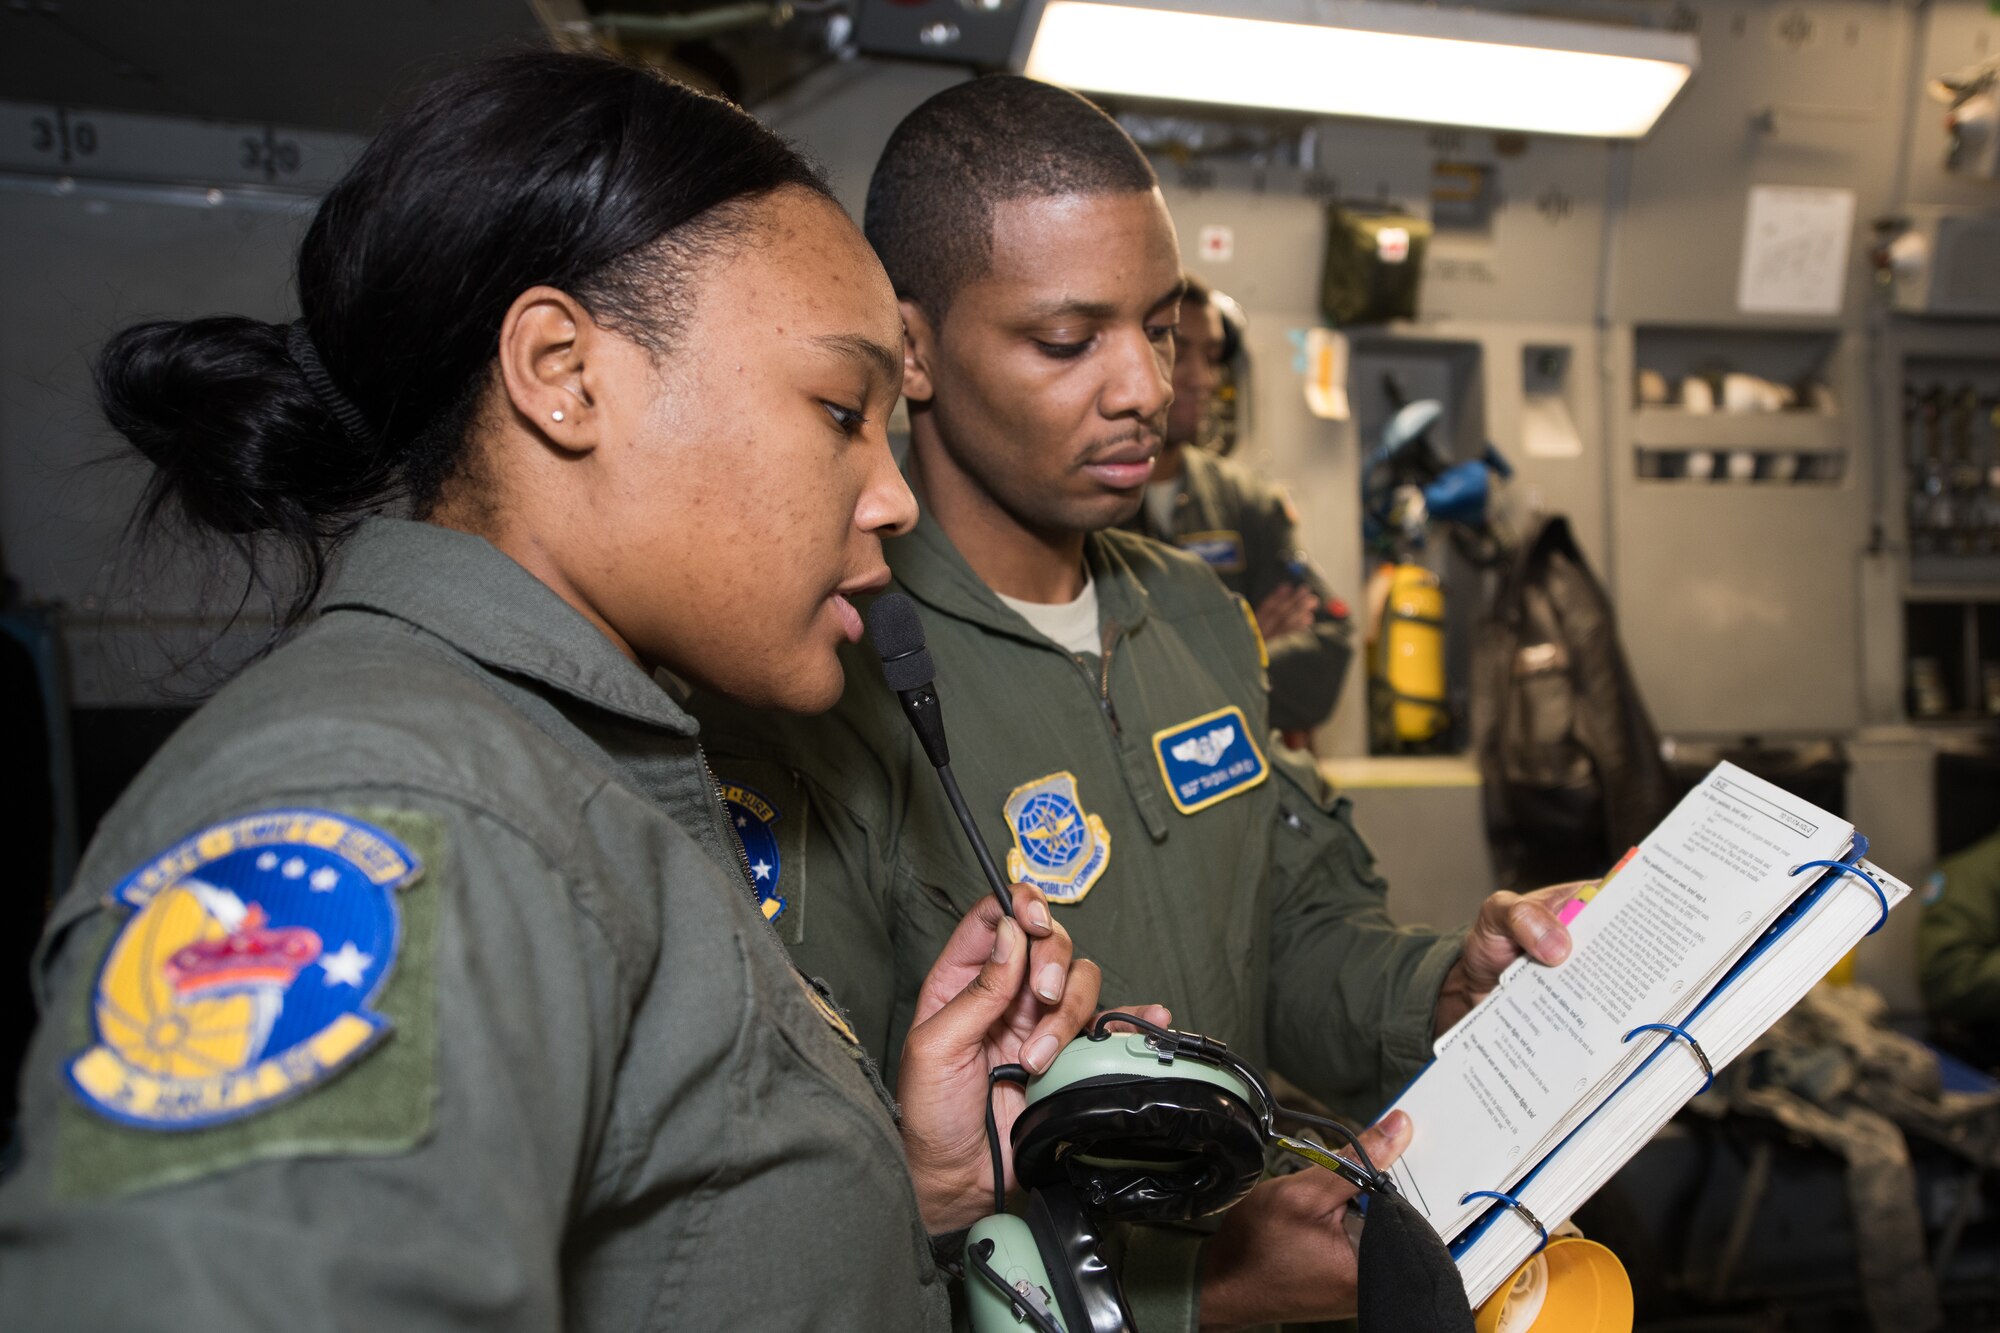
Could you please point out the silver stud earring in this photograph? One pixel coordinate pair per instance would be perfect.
(557, 414)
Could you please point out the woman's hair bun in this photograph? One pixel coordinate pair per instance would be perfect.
(241, 443)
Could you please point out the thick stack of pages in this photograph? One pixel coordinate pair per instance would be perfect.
(1715, 925)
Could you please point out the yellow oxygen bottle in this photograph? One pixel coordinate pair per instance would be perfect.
(1410, 656)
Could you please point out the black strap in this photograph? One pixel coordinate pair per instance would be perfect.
(305, 356)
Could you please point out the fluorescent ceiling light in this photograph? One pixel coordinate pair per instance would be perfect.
(1387, 61)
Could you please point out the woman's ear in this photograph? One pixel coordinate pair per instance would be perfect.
(919, 346)
(547, 343)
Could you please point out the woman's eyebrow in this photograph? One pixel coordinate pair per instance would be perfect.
(886, 360)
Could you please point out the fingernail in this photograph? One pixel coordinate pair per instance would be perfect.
(1003, 941)
(1040, 1051)
(1038, 915)
(1049, 982)
(1395, 1124)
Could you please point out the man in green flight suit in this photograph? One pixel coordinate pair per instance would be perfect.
(1958, 949)
(1104, 694)
(1246, 528)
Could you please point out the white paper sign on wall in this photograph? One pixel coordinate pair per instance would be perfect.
(1795, 242)
(1218, 244)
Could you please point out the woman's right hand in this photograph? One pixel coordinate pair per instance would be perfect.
(1003, 991)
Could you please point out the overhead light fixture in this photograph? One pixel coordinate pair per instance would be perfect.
(1368, 58)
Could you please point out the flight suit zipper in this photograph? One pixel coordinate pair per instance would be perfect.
(722, 810)
(1104, 703)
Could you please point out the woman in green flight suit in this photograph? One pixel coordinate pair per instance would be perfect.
(421, 981)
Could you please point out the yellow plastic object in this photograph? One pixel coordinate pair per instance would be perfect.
(1573, 1286)
(1411, 648)
(1843, 971)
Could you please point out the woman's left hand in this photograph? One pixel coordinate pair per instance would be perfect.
(1004, 991)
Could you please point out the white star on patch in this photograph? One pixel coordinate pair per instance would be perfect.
(324, 879)
(741, 822)
(268, 861)
(763, 869)
(347, 966)
(294, 868)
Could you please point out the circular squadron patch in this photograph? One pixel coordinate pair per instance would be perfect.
(244, 975)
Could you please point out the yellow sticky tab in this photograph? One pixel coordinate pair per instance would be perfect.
(1250, 618)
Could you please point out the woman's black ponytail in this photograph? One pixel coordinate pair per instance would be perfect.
(577, 172)
(241, 445)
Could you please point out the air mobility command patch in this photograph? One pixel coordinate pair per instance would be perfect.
(1058, 848)
(1222, 550)
(262, 958)
(1208, 759)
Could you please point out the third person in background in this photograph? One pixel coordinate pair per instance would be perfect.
(1246, 528)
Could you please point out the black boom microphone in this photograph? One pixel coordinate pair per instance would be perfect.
(907, 666)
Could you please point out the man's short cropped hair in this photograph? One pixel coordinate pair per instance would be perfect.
(974, 146)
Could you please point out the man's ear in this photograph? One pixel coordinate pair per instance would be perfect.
(919, 347)
(546, 344)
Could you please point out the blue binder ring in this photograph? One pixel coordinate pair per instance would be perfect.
(1518, 1207)
(1859, 874)
(1686, 1036)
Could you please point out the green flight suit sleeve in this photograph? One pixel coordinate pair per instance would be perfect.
(426, 1187)
(1307, 665)
(1958, 940)
(1351, 994)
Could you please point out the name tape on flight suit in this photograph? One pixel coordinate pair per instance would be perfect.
(1222, 550)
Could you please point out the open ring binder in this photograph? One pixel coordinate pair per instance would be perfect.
(1858, 873)
(1517, 1206)
(1685, 1036)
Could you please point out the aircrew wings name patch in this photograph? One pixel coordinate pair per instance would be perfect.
(1208, 759)
(247, 971)
(1222, 550)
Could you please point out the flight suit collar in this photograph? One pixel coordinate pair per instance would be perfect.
(469, 593)
(927, 564)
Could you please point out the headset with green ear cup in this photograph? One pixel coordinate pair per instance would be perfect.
(1017, 1288)
(1146, 1126)
(1046, 1270)
(1143, 1132)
